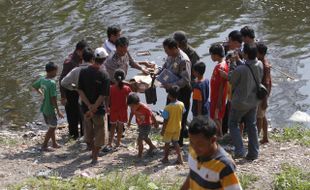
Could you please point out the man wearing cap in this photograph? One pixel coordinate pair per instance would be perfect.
(94, 89)
(181, 38)
(69, 98)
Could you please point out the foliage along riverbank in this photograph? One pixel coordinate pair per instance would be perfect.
(283, 163)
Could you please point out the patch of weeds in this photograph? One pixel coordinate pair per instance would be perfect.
(296, 133)
(292, 177)
(246, 179)
(113, 181)
(156, 137)
(8, 141)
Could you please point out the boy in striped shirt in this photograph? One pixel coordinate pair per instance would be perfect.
(210, 165)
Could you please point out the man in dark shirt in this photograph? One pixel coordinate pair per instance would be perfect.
(70, 99)
(181, 39)
(94, 88)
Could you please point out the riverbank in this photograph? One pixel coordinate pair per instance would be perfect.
(22, 163)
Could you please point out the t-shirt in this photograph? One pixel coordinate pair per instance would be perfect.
(48, 86)
(215, 172)
(200, 94)
(216, 81)
(94, 82)
(118, 97)
(173, 113)
(143, 115)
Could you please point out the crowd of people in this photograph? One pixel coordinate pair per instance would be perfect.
(96, 97)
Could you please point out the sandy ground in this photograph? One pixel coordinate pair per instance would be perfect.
(23, 159)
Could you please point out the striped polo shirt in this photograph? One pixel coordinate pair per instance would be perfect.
(215, 172)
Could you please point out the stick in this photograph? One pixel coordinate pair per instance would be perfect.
(287, 75)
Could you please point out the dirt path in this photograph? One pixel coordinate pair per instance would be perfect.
(20, 159)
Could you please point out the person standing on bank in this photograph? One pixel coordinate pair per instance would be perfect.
(244, 102)
(94, 89)
(180, 65)
(70, 99)
(113, 33)
(181, 38)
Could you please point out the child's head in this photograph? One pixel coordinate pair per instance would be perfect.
(133, 100)
(250, 51)
(199, 69)
(173, 93)
(119, 76)
(217, 52)
(113, 33)
(262, 50)
(202, 136)
(51, 69)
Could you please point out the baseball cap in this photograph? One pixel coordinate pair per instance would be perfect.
(101, 53)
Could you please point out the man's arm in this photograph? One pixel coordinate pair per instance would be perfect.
(84, 98)
(70, 79)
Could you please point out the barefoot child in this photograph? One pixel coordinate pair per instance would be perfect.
(218, 87)
(118, 106)
(145, 119)
(172, 115)
(46, 87)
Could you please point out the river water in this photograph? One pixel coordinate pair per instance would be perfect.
(35, 32)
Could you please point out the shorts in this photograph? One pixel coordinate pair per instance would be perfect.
(50, 120)
(120, 116)
(260, 111)
(144, 132)
(171, 137)
(95, 130)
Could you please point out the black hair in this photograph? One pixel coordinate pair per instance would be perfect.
(122, 41)
(247, 31)
(250, 50)
(173, 92)
(81, 45)
(235, 35)
(180, 37)
(99, 61)
(261, 48)
(50, 66)
(170, 43)
(88, 54)
(206, 127)
(217, 49)
(199, 67)
(119, 76)
(133, 98)
(113, 30)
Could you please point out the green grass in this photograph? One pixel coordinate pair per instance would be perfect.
(7, 141)
(155, 136)
(296, 133)
(292, 178)
(113, 181)
(246, 179)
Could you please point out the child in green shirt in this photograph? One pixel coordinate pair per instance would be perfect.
(46, 87)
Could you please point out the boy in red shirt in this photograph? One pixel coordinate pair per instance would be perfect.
(145, 119)
(218, 86)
